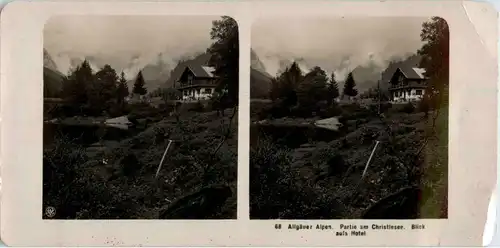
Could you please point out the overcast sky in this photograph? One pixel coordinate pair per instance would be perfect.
(337, 45)
(121, 39)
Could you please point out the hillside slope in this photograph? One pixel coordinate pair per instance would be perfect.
(191, 168)
(52, 82)
(260, 80)
(260, 84)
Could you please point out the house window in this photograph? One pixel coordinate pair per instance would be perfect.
(208, 91)
(418, 92)
(198, 91)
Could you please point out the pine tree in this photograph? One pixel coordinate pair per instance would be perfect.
(139, 85)
(107, 79)
(76, 87)
(312, 89)
(333, 89)
(122, 90)
(350, 86)
(286, 84)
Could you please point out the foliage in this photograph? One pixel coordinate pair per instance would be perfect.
(312, 88)
(350, 86)
(225, 59)
(408, 108)
(198, 107)
(295, 182)
(86, 93)
(301, 95)
(139, 85)
(166, 94)
(384, 107)
(79, 185)
(75, 86)
(275, 192)
(103, 90)
(285, 85)
(122, 89)
(435, 58)
(333, 89)
(64, 185)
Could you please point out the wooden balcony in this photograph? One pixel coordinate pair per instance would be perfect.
(195, 83)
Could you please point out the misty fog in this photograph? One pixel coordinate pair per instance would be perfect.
(125, 42)
(335, 44)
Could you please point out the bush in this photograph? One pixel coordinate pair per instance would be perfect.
(277, 110)
(330, 111)
(198, 107)
(67, 184)
(277, 192)
(355, 111)
(408, 108)
(384, 107)
(423, 106)
(143, 110)
(301, 112)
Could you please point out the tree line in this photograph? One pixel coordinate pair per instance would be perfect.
(294, 88)
(101, 93)
(104, 92)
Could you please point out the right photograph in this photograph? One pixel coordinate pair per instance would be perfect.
(349, 118)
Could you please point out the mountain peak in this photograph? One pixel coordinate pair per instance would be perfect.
(256, 63)
(48, 62)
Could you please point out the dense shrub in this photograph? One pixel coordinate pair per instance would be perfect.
(276, 193)
(384, 107)
(66, 187)
(408, 108)
(124, 186)
(423, 106)
(197, 107)
(355, 111)
(330, 111)
(301, 112)
(142, 114)
(296, 181)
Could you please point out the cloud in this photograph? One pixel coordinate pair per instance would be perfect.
(336, 44)
(125, 41)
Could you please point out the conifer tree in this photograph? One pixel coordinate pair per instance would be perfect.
(139, 85)
(350, 86)
(122, 90)
(333, 89)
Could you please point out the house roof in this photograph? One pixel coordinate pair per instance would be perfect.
(202, 71)
(201, 59)
(209, 70)
(412, 72)
(388, 73)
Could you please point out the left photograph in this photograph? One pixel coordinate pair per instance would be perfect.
(140, 117)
